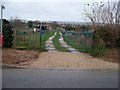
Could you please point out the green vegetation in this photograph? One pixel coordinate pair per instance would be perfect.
(70, 41)
(30, 24)
(28, 42)
(32, 42)
(57, 43)
(69, 27)
(96, 52)
(8, 34)
(45, 37)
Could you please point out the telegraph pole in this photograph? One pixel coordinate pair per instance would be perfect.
(2, 7)
(1, 24)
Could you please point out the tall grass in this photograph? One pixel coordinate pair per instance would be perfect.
(57, 43)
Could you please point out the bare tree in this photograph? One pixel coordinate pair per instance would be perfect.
(105, 20)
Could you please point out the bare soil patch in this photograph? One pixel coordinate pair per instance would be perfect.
(13, 56)
(67, 60)
(111, 55)
(55, 60)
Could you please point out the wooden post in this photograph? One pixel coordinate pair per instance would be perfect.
(40, 40)
(92, 40)
(28, 39)
(30, 42)
(35, 39)
(14, 40)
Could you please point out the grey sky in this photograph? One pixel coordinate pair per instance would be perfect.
(47, 10)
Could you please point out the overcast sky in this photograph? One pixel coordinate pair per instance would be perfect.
(46, 10)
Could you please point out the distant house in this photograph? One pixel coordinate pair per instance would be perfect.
(49, 26)
(82, 28)
(36, 24)
(5, 22)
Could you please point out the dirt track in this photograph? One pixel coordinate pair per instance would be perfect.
(54, 60)
(66, 60)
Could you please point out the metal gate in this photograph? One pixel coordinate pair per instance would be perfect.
(44, 37)
(67, 41)
(81, 41)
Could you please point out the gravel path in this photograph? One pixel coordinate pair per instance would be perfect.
(49, 43)
(64, 44)
(67, 60)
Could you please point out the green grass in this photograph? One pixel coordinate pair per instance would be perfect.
(57, 43)
(98, 51)
(70, 41)
(45, 38)
(27, 41)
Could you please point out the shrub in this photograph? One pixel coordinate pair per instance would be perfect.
(98, 51)
(30, 24)
(8, 35)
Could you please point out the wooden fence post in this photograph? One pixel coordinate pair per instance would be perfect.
(14, 40)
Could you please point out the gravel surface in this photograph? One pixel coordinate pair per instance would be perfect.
(54, 60)
(65, 45)
(66, 60)
(49, 43)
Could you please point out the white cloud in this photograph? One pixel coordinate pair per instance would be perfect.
(44, 0)
(70, 11)
(44, 11)
(58, 0)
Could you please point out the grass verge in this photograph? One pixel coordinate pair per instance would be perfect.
(98, 51)
(57, 43)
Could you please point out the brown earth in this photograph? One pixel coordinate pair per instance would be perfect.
(111, 55)
(13, 56)
(67, 60)
(52, 60)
